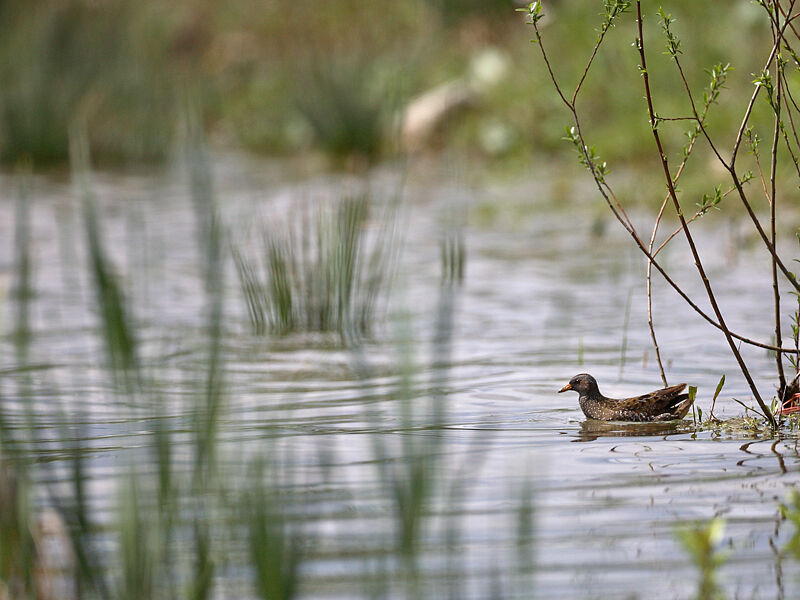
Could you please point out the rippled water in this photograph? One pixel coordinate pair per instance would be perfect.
(546, 294)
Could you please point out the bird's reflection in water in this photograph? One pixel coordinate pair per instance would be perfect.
(591, 429)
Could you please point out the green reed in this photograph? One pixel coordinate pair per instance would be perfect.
(180, 525)
(325, 274)
(59, 60)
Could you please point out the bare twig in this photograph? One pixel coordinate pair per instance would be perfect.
(772, 202)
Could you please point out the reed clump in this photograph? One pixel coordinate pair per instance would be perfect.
(321, 272)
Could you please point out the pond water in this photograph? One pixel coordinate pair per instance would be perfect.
(552, 288)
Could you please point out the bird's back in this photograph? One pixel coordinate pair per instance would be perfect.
(661, 405)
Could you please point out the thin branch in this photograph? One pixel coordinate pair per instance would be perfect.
(730, 167)
(607, 194)
(772, 203)
(649, 275)
(689, 239)
(606, 26)
(678, 229)
(749, 109)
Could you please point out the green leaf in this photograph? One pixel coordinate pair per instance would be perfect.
(719, 388)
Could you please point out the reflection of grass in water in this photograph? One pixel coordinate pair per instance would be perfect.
(324, 276)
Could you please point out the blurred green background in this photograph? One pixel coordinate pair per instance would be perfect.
(340, 80)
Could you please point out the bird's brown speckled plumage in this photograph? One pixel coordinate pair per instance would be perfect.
(666, 404)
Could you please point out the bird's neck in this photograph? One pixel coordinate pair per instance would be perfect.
(592, 394)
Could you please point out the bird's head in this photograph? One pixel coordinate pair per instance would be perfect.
(583, 383)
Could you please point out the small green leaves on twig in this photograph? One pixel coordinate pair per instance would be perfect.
(587, 156)
(612, 9)
(656, 121)
(794, 56)
(673, 43)
(692, 135)
(752, 140)
(764, 80)
(719, 75)
(710, 201)
(534, 12)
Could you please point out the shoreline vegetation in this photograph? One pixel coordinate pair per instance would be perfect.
(340, 79)
(772, 93)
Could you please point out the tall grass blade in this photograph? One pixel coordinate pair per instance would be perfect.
(118, 333)
(275, 548)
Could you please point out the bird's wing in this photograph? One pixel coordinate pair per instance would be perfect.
(660, 400)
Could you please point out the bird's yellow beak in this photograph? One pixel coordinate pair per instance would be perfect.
(565, 388)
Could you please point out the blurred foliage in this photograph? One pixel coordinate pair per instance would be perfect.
(70, 60)
(293, 76)
(791, 512)
(701, 542)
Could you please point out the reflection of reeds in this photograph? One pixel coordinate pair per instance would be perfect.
(327, 276)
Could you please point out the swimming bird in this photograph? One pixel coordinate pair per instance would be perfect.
(666, 404)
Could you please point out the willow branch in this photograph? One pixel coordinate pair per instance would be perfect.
(776, 300)
(689, 239)
(608, 196)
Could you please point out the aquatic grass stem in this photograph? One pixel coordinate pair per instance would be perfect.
(120, 342)
(324, 272)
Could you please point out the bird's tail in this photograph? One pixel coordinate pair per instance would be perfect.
(682, 405)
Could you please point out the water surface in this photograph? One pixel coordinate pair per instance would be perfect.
(547, 294)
